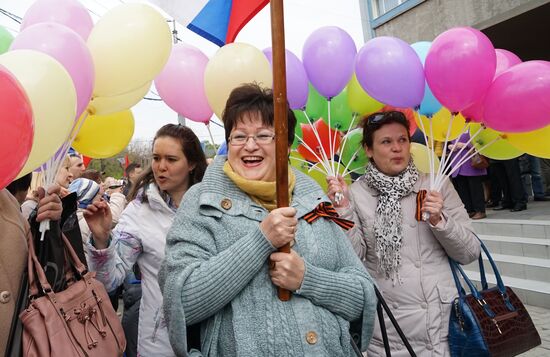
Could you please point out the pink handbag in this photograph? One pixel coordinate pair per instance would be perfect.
(78, 321)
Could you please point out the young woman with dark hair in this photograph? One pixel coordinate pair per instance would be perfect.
(140, 235)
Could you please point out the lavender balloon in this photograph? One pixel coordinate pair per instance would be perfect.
(296, 79)
(69, 49)
(328, 55)
(390, 71)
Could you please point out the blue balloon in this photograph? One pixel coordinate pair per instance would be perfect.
(429, 105)
(222, 150)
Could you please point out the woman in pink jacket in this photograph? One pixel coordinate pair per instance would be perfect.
(406, 255)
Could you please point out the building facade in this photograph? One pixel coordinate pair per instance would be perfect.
(520, 26)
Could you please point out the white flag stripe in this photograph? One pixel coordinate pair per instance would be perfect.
(183, 11)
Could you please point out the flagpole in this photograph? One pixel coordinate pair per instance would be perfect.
(280, 113)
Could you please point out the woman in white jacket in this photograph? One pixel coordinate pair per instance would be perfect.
(140, 235)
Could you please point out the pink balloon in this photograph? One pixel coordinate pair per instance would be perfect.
(69, 49)
(460, 67)
(505, 60)
(70, 13)
(519, 98)
(181, 83)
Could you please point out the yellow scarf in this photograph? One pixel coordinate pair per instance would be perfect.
(262, 192)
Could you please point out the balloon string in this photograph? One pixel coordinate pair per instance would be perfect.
(430, 152)
(316, 133)
(325, 165)
(450, 161)
(352, 158)
(471, 154)
(309, 167)
(343, 146)
(444, 151)
(331, 149)
(352, 171)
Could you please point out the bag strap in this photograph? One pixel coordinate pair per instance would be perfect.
(34, 266)
(382, 304)
(457, 269)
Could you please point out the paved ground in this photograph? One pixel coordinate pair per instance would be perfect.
(539, 211)
(541, 319)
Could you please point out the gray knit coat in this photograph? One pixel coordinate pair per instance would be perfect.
(216, 272)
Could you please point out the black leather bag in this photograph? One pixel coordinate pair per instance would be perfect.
(491, 321)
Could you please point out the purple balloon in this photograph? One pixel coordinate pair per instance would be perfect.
(181, 83)
(460, 67)
(70, 13)
(390, 71)
(519, 98)
(296, 79)
(328, 55)
(69, 49)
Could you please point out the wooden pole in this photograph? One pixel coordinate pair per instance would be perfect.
(280, 112)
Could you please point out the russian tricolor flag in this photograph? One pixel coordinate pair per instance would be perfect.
(219, 21)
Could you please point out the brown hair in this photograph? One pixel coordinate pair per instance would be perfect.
(375, 121)
(251, 98)
(191, 148)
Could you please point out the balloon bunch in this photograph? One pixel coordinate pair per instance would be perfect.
(62, 74)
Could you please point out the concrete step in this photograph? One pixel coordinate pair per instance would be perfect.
(518, 246)
(519, 267)
(513, 228)
(530, 292)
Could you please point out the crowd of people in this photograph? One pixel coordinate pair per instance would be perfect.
(192, 246)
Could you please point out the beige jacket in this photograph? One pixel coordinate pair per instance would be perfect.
(13, 258)
(422, 304)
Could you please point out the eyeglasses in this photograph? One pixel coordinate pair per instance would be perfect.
(239, 139)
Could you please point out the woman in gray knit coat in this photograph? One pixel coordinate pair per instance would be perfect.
(222, 267)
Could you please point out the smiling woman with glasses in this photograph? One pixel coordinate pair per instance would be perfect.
(222, 268)
(406, 255)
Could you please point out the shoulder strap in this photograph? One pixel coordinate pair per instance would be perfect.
(382, 304)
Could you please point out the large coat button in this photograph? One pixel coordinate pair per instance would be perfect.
(311, 337)
(5, 297)
(226, 203)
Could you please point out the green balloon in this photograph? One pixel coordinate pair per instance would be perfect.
(353, 148)
(341, 115)
(6, 39)
(316, 106)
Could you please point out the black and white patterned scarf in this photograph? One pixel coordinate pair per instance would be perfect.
(388, 225)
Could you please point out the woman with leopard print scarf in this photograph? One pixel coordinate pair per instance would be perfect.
(405, 254)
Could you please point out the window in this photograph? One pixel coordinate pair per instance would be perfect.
(381, 7)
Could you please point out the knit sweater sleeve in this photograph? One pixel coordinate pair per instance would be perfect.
(113, 263)
(347, 291)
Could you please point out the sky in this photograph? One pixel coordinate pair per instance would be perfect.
(302, 17)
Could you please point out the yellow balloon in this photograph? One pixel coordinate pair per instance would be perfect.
(440, 125)
(233, 65)
(117, 103)
(103, 136)
(359, 101)
(536, 143)
(500, 149)
(130, 45)
(420, 154)
(52, 95)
